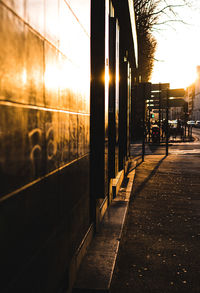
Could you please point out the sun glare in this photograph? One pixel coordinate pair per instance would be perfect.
(51, 77)
(178, 50)
(24, 76)
(176, 76)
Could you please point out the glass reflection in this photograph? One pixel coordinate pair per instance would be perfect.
(52, 21)
(35, 14)
(65, 23)
(18, 6)
(12, 55)
(51, 76)
(82, 10)
(24, 77)
(34, 68)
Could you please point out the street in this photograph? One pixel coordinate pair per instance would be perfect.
(184, 148)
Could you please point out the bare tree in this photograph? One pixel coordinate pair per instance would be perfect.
(152, 15)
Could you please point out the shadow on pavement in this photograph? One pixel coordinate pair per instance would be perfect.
(142, 185)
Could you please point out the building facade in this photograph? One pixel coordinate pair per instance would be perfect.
(193, 98)
(189, 96)
(196, 104)
(65, 84)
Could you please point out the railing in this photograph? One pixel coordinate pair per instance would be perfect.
(183, 133)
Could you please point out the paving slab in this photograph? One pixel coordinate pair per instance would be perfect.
(159, 247)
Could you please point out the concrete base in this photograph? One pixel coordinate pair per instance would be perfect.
(116, 183)
(101, 207)
(97, 268)
(78, 257)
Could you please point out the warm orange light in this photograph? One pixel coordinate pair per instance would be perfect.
(107, 76)
(24, 77)
(51, 77)
(66, 75)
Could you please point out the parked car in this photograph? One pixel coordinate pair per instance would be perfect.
(197, 124)
(191, 122)
(176, 128)
(172, 123)
(155, 133)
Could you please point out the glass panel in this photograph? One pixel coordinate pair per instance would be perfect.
(52, 21)
(65, 26)
(34, 68)
(67, 84)
(51, 76)
(63, 138)
(18, 6)
(81, 8)
(52, 140)
(75, 44)
(21, 146)
(12, 69)
(87, 134)
(35, 14)
(73, 139)
(72, 35)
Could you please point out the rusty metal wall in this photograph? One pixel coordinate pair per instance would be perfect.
(44, 139)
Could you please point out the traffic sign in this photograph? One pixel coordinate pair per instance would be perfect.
(159, 94)
(176, 93)
(159, 86)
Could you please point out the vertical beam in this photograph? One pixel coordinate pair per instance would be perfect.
(112, 99)
(128, 109)
(106, 97)
(122, 106)
(159, 124)
(143, 120)
(97, 103)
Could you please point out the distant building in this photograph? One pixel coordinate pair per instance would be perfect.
(193, 98)
(196, 105)
(175, 113)
(189, 97)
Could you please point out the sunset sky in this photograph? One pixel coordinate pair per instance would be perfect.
(178, 50)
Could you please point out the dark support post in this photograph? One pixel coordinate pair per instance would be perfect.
(162, 122)
(112, 100)
(185, 130)
(159, 124)
(123, 100)
(167, 118)
(143, 121)
(149, 125)
(97, 106)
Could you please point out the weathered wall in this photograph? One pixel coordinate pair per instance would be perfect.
(44, 140)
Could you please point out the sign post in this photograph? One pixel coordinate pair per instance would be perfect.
(143, 121)
(160, 94)
(145, 94)
(167, 129)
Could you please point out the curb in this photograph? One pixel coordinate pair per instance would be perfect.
(96, 271)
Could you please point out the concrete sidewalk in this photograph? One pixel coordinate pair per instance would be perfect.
(96, 270)
(160, 244)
